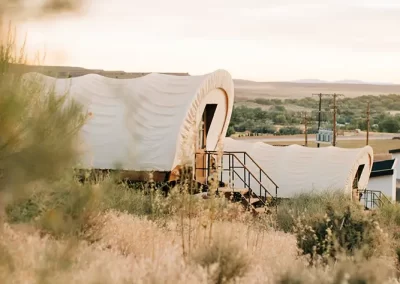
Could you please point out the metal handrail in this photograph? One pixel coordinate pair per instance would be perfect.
(374, 198)
(245, 153)
(248, 170)
(232, 155)
(250, 190)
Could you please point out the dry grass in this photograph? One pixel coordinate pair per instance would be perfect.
(124, 248)
(130, 249)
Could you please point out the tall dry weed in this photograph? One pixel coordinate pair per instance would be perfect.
(347, 271)
(224, 261)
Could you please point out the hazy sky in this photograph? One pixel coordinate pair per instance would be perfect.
(265, 40)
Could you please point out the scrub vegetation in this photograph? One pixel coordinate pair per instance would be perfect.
(285, 116)
(56, 229)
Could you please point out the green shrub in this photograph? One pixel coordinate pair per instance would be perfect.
(307, 205)
(23, 210)
(38, 129)
(349, 232)
(289, 130)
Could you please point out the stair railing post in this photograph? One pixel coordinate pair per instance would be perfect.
(244, 170)
(250, 194)
(250, 191)
(195, 166)
(233, 173)
(208, 165)
(221, 166)
(373, 198)
(265, 199)
(370, 199)
(230, 170)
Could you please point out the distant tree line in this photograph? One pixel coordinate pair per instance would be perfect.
(351, 115)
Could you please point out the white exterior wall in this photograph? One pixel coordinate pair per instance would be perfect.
(386, 184)
(397, 166)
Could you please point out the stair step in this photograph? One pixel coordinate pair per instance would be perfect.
(231, 190)
(253, 200)
(259, 209)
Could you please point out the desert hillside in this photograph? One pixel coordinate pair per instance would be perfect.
(286, 90)
(244, 89)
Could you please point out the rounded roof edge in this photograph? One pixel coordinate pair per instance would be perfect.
(92, 75)
(218, 79)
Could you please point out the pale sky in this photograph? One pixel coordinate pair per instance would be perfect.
(263, 40)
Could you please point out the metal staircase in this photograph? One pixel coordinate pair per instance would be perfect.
(240, 179)
(373, 199)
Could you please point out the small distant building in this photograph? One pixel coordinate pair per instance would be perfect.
(396, 155)
(383, 178)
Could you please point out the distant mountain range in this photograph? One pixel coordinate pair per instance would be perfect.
(354, 82)
(63, 71)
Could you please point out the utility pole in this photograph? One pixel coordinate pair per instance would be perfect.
(334, 117)
(305, 121)
(319, 111)
(320, 95)
(368, 122)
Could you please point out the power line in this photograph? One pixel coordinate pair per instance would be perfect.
(368, 122)
(334, 117)
(320, 95)
(305, 121)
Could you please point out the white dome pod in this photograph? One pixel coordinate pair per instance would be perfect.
(297, 169)
(148, 123)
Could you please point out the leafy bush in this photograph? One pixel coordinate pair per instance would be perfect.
(23, 210)
(38, 129)
(280, 108)
(308, 205)
(390, 124)
(230, 131)
(338, 233)
(290, 130)
(262, 101)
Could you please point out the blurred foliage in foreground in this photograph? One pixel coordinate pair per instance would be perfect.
(38, 129)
